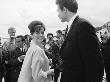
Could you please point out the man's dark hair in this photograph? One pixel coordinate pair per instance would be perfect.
(59, 31)
(11, 28)
(26, 37)
(20, 36)
(49, 34)
(35, 26)
(71, 5)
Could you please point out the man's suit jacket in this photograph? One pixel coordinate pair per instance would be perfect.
(81, 54)
(13, 60)
(13, 66)
(106, 51)
(1, 67)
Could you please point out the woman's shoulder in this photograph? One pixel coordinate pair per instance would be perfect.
(37, 50)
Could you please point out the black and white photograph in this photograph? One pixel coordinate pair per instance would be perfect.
(54, 41)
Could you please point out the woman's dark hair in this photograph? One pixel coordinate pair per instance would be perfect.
(35, 26)
(49, 34)
(59, 31)
(71, 5)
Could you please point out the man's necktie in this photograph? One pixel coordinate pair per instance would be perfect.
(66, 31)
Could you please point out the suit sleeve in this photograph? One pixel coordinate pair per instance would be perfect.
(88, 41)
(90, 52)
(14, 61)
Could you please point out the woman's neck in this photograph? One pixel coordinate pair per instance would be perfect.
(38, 43)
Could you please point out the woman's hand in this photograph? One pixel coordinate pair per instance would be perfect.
(50, 72)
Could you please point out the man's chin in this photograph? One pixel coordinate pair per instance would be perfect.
(63, 21)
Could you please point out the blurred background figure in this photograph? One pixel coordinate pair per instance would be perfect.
(15, 62)
(105, 46)
(8, 48)
(52, 51)
(10, 43)
(0, 41)
(60, 37)
(1, 62)
(49, 38)
(27, 41)
(48, 49)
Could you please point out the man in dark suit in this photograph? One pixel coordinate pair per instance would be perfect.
(8, 47)
(1, 67)
(17, 59)
(106, 54)
(14, 61)
(80, 52)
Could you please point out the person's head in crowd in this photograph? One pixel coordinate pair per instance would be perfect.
(27, 38)
(50, 36)
(66, 9)
(11, 32)
(20, 41)
(59, 33)
(104, 36)
(108, 27)
(37, 29)
(44, 42)
(63, 32)
(0, 41)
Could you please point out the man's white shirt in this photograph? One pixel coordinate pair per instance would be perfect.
(70, 22)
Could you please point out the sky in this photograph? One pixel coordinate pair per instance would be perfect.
(19, 13)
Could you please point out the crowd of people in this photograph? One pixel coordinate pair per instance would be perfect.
(75, 52)
(14, 50)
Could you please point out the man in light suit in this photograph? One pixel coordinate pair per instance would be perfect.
(80, 52)
(8, 47)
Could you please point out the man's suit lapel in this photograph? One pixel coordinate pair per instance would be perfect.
(72, 26)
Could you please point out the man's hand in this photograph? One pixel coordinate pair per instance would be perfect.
(50, 72)
(6, 62)
(21, 58)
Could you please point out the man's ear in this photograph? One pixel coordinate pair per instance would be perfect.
(65, 9)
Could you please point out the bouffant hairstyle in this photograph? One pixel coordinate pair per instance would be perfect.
(35, 26)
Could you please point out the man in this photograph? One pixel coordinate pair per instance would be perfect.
(8, 47)
(49, 38)
(106, 53)
(17, 58)
(10, 43)
(60, 38)
(27, 42)
(20, 43)
(48, 48)
(1, 67)
(59, 33)
(14, 63)
(80, 50)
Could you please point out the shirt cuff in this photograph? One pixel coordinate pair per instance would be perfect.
(43, 74)
(19, 59)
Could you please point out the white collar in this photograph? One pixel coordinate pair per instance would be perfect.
(71, 21)
(32, 43)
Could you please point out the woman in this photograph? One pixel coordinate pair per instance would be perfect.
(35, 67)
